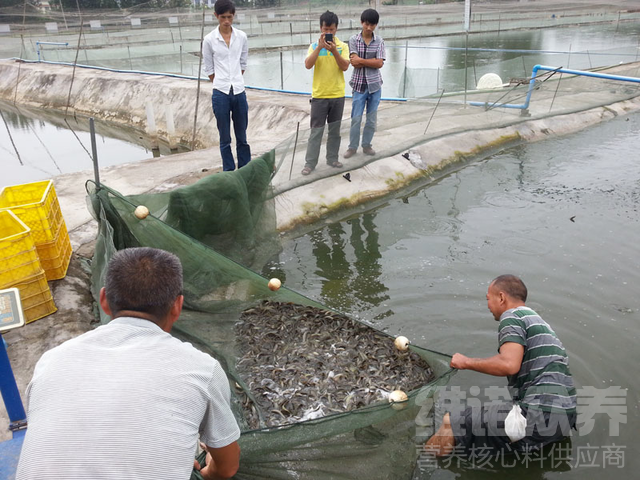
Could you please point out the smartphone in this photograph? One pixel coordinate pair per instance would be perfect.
(328, 37)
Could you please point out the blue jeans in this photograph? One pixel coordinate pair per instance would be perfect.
(359, 101)
(226, 107)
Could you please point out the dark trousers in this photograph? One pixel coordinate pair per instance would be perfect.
(484, 427)
(324, 110)
(227, 107)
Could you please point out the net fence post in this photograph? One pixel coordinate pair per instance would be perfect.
(94, 151)
(404, 83)
(281, 73)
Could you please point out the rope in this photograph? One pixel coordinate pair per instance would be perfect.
(11, 138)
(195, 116)
(75, 62)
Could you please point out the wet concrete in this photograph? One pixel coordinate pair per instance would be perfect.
(457, 135)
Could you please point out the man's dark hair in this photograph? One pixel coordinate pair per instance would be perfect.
(224, 6)
(145, 280)
(328, 18)
(512, 286)
(370, 16)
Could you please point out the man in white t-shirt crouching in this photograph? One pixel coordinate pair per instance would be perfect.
(128, 400)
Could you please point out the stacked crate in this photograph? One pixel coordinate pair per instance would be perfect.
(21, 268)
(36, 204)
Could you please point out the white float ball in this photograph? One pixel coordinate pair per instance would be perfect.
(398, 399)
(401, 343)
(141, 212)
(274, 284)
(489, 81)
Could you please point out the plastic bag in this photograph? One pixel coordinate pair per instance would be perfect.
(515, 425)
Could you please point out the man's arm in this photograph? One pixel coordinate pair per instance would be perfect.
(507, 362)
(222, 463)
(343, 62)
(358, 62)
(244, 55)
(219, 429)
(312, 55)
(207, 59)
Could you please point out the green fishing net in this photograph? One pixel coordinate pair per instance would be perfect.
(220, 228)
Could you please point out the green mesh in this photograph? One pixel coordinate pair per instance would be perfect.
(376, 441)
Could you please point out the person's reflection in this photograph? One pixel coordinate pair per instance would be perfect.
(347, 288)
(366, 285)
(332, 264)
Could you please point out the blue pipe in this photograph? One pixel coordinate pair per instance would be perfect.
(175, 75)
(502, 105)
(606, 76)
(267, 89)
(9, 389)
(534, 74)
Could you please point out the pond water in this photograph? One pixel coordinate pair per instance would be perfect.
(562, 214)
(433, 63)
(33, 149)
(429, 64)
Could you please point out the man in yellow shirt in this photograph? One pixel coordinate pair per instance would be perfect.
(329, 57)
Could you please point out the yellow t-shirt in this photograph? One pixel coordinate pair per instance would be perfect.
(328, 78)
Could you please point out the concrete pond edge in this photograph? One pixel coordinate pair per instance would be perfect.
(374, 183)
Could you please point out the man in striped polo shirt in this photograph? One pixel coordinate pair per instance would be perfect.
(127, 400)
(537, 367)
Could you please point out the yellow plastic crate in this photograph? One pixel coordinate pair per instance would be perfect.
(36, 312)
(33, 285)
(36, 204)
(18, 255)
(35, 296)
(55, 255)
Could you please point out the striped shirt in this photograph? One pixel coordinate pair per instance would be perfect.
(544, 381)
(364, 77)
(124, 401)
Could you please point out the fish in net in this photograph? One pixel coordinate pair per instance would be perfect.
(302, 362)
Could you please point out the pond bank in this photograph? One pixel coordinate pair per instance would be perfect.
(457, 135)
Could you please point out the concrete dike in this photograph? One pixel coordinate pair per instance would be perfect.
(417, 142)
(129, 100)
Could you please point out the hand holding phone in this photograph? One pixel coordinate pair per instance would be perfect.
(328, 37)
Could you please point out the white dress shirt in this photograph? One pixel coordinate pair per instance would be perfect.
(226, 61)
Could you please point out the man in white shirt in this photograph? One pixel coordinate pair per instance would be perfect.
(127, 400)
(224, 52)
